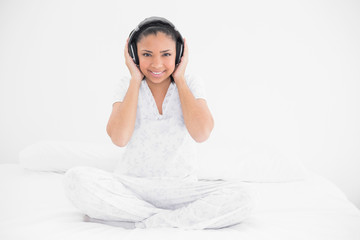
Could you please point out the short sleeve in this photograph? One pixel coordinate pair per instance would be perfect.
(196, 86)
(120, 89)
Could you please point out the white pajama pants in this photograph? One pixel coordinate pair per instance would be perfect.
(196, 204)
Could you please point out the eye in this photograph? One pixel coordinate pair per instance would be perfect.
(146, 54)
(167, 54)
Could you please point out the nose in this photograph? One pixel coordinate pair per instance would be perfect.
(157, 62)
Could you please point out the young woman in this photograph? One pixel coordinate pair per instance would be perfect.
(159, 113)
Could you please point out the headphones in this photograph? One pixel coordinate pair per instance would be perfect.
(150, 22)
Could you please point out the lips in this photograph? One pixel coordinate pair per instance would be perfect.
(156, 74)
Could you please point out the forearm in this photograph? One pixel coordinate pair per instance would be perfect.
(198, 119)
(122, 120)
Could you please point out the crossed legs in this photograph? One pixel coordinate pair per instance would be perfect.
(191, 205)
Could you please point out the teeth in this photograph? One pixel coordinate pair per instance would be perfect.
(157, 73)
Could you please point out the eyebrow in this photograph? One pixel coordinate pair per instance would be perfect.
(160, 51)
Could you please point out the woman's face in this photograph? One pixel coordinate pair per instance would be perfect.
(157, 57)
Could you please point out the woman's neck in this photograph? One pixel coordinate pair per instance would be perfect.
(159, 88)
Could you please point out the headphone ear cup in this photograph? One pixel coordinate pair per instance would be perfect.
(133, 53)
(179, 52)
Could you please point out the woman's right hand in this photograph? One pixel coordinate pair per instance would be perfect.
(133, 68)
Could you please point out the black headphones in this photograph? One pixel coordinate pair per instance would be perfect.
(149, 22)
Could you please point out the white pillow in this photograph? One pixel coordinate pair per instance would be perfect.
(59, 156)
(248, 163)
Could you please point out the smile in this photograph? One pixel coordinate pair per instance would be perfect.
(157, 74)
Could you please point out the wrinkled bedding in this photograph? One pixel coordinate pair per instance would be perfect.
(33, 206)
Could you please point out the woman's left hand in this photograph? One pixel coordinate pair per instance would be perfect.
(179, 72)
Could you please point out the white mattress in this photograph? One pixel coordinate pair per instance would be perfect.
(33, 206)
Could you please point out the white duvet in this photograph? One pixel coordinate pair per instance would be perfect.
(33, 206)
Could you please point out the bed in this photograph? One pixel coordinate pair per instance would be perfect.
(33, 204)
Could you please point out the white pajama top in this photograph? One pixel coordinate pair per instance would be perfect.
(160, 147)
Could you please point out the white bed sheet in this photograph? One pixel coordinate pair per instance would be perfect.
(33, 206)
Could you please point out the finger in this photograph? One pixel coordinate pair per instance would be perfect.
(186, 47)
(126, 50)
(126, 46)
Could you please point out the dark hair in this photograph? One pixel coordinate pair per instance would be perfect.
(154, 30)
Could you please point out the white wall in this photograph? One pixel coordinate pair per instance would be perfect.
(281, 73)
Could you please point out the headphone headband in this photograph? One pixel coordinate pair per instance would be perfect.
(153, 20)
